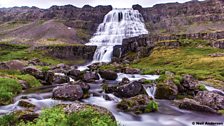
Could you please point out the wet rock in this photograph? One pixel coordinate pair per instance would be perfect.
(68, 92)
(137, 104)
(189, 82)
(26, 104)
(125, 80)
(90, 76)
(85, 87)
(166, 91)
(191, 104)
(127, 90)
(211, 99)
(61, 68)
(53, 78)
(131, 70)
(34, 72)
(76, 74)
(94, 66)
(26, 115)
(108, 74)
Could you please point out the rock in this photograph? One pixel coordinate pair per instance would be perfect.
(90, 77)
(191, 104)
(68, 92)
(127, 90)
(78, 106)
(216, 55)
(131, 71)
(189, 82)
(26, 104)
(26, 115)
(61, 68)
(125, 80)
(76, 74)
(37, 62)
(137, 104)
(12, 65)
(108, 74)
(166, 91)
(60, 79)
(15, 65)
(94, 66)
(34, 72)
(85, 87)
(3, 66)
(211, 99)
(24, 84)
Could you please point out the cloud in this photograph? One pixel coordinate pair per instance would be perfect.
(80, 3)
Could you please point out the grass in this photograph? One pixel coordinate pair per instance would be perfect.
(184, 60)
(57, 117)
(9, 88)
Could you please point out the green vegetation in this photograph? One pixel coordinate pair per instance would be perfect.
(184, 60)
(8, 89)
(201, 87)
(8, 120)
(31, 80)
(85, 117)
(83, 34)
(152, 107)
(221, 112)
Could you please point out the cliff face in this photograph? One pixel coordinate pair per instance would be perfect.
(189, 17)
(77, 24)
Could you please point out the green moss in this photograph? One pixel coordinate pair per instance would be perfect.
(57, 117)
(201, 87)
(51, 39)
(8, 120)
(221, 112)
(152, 106)
(31, 80)
(9, 88)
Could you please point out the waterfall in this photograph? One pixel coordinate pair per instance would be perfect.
(117, 25)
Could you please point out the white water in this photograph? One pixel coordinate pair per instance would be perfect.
(117, 25)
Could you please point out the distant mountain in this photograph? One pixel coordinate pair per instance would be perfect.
(70, 24)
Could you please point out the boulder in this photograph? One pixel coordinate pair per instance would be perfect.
(138, 104)
(125, 80)
(108, 74)
(85, 87)
(166, 91)
(211, 99)
(53, 78)
(90, 77)
(131, 70)
(12, 65)
(191, 104)
(78, 106)
(68, 92)
(26, 104)
(126, 90)
(34, 72)
(189, 82)
(76, 74)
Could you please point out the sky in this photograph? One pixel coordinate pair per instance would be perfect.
(80, 3)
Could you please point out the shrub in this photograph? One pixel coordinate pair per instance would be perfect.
(152, 106)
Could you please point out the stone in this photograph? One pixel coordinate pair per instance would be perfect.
(166, 91)
(126, 90)
(211, 99)
(12, 65)
(34, 72)
(191, 104)
(108, 74)
(131, 71)
(85, 87)
(137, 104)
(189, 82)
(125, 80)
(76, 74)
(68, 92)
(90, 77)
(26, 104)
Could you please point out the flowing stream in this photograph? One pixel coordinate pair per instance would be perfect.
(117, 25)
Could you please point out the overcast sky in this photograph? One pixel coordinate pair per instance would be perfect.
(80, 3)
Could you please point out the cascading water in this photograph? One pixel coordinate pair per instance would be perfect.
(117, 25)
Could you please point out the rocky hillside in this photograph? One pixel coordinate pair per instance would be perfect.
(185, 18)
(56, 25)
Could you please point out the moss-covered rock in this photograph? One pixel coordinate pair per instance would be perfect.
(138, 104)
